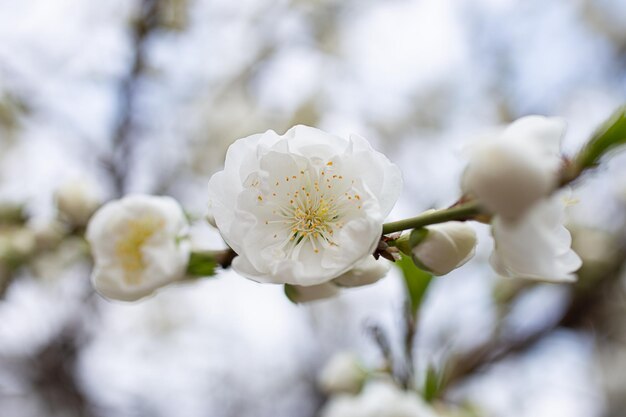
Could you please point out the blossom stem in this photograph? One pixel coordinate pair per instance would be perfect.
(460, 212)
(203, 263)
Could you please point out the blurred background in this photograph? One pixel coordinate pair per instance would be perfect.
(100, 99)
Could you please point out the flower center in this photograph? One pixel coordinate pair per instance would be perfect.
(128, 248)
(314, 220)
(308, 207)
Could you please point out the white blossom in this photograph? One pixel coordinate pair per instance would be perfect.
(365, 272)
(445, 247)
(304, 207)
(379, 399)
(536, 247)
(512, 169)
(342, 374)
(138, 246)
(77, 200)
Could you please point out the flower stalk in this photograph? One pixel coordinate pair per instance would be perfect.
(461, 212)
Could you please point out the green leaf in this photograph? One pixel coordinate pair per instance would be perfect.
(201, 264)
(417, 236)
(610, 135)
(416, 280)
(291, 293)
(432, 383)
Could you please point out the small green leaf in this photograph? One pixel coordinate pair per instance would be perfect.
(416, 280)
(201, 264)
(610, 135)
(292, 293)
(432, 383)
(417, 236)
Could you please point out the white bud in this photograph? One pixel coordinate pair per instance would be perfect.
(342, 374)
(365, 272)
(511, 170)
(301, 294)
(76, 201)
(445, 247)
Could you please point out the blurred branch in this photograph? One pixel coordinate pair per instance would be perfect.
(587, 299)
(54, 367)
(121, 157)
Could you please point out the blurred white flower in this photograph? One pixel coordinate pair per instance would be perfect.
(342, 374)
(367, 271)
(379, 399)
(302, 208)
(77, 200)
(445, 247)
(138, 246)
(538, 246)
(514, 168)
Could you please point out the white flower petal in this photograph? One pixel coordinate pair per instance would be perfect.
(545, 132)
(365, 272)
(511, 170)
(537, 246)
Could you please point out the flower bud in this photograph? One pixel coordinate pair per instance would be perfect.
(76, 201)
(365, 272)
(299, 294)
(441, 248)
(510, 171)
(342, 374)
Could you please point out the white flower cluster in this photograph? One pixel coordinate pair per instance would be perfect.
(307, 208)
(514, 174)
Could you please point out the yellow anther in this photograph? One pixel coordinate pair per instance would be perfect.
(129, 247)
